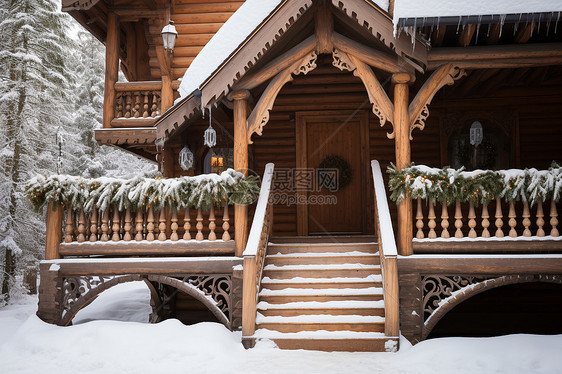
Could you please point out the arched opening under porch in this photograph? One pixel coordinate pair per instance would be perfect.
(518, 308)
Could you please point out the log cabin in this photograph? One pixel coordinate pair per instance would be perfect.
(295, 90)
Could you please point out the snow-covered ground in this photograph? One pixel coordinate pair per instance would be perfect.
(112, 336)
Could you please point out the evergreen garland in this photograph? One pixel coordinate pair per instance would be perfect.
(231, 187)
(479, 186)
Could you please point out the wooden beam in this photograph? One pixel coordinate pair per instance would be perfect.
(497, 52)
(382, 106)
(133, 122)
(324, 25)
(494, 34)
(125, 136)
(524, 34)
(466, 35)
(376, 59)
(511, 63)
(240, 164)
(446, 74)
(111, 68)
(254, 79)
(481, 264)
(402, 150)
(489, 247)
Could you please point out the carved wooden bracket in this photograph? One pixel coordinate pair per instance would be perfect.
(418, 109)
(382, 106)
(260, 115)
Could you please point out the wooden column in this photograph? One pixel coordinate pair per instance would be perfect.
(240, 164)
(167, 93)
(54, 231)
(111, 68)
(402, 150)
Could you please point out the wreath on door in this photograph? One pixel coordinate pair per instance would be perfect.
(344, 169)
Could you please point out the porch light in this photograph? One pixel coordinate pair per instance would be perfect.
(476, 133)
(186, 158)
(210, 136)
(169, 36)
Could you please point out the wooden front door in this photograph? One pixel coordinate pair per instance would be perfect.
(328, 138)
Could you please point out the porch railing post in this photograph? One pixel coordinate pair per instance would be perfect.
(402, 150)
(240, 164)
(55, 215)
(111, 68)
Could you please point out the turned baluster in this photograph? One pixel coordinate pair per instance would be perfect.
(199, 225)
(128, 226)
(212, 225)
(138, 226)
(471, 220)
(186, 225)
(553, 219)
(445, 221)
(154, 107)
(540, 219)
(526, 219)
(81, 227)
(136, 109)
(431, 224)
(69, 229)
(145, 106)
(458, 220)
(512, 222)
(94, 225)
(115, 225)
(499, 218)
(174, 226)
(419, 220)
(162, 225)
(104, 225)
(225, 224)
(150, 225)
(119, 107)
(128, 106)
(485, 221)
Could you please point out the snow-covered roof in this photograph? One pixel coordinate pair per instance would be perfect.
(254, 12)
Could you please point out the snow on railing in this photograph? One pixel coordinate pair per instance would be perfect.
(254, 254)
(387, 252)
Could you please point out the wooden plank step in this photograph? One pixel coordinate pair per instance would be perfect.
(297, 327)
(288, 248)
(279, 284)
(353, 257)
(324, 239)
(292, 312)
(287, 298)
(321, 271)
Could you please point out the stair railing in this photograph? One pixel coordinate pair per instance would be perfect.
(387, 252)
(254, 254)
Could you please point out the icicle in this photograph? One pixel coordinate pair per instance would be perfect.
(539, 27)
(516, 26)
(478, 29)
(459, 24)
(502, 21)
(438, 22)
(556, 23)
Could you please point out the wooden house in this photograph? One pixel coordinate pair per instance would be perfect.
(297, 87)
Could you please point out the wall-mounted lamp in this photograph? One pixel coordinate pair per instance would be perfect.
(169, 36)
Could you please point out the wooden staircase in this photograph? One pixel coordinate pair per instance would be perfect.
(326, 296)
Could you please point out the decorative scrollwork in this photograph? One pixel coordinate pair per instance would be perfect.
(419, 123)
(74, 288)
(215, 286)
(341, 60)
(308, 64)
(437, 288)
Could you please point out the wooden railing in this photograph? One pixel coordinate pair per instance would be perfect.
(487, 224)
(387, 252)
(137, 104)
(144, 232)
(254, 254)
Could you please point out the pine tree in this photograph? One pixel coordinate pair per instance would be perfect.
(33, 93)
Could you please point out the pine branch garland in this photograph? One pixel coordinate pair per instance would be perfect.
(231, 187)
(479, 186)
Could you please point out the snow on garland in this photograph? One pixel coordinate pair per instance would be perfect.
(479, 186)
(191, 192)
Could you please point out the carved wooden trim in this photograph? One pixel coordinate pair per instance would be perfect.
(456, 289)
(418, 109)
(260, 115)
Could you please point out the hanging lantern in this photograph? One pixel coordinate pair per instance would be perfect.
(169, 36)
(210, 136)
(186, 158)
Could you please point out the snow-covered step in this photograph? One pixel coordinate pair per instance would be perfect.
(352, 257)
(347, 341)
(326, 294)
(321, 323)
(374, 280)
(320, 271)
(337, 307)
(290, 248)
